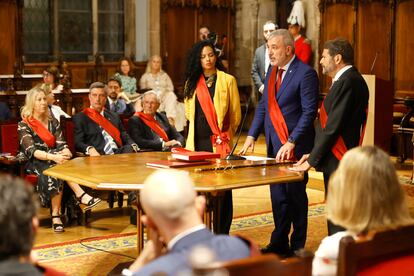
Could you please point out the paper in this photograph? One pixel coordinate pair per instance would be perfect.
(257, 158)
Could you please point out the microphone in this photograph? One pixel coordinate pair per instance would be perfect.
(373, 63)
(231, 155)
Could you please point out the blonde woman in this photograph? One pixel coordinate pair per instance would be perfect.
(364, 195)
(156, 79)
(42, 143)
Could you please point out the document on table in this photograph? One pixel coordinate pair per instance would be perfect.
(257, 158)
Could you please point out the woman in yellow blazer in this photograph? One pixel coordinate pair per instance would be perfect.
(212, 106)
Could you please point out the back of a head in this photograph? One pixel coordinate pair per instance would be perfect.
(364, 192)
(168, 195)
(17, 210)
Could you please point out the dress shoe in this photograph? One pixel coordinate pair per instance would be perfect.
(270, 248)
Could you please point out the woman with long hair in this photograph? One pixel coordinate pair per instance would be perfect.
(125, 74)
(212, 107)
(42, 143)
(364, 195)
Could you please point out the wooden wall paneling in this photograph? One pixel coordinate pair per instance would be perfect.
(374, 39)
(178, 29)
(404, 45)
(220, 22)
(8, 31)
(338, 20)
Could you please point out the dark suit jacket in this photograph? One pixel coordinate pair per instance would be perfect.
(258, 67)
(346, 106)
(88, 133)
(175, 261)
(298, 101)
(146, 138)
(129, 109)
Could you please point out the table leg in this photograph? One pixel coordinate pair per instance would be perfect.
(140, 226)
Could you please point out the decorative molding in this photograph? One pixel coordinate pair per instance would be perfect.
(198, 3)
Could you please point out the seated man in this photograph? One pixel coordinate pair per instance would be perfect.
(99, 131)
(117, 101)
(151, 129)
(19, 224)
(173, 217)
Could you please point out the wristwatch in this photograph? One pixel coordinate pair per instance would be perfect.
(290, 140)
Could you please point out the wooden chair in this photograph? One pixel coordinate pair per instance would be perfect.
(388, 252)
(262, 265)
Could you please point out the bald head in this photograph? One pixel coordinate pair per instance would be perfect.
(168, 195)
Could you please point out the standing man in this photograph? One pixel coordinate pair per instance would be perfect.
(287, 111)
(117, 101)
(151, 129)
(261, 61)
(99, 131)
(342, 114)
(296, 21)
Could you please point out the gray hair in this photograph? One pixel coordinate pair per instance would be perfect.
(152, 92)
(99, 85)
(288, 39)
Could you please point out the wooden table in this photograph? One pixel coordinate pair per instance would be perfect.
(128, 172)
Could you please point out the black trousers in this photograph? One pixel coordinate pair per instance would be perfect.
(332, 228)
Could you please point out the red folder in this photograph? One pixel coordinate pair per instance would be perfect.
(176, 164)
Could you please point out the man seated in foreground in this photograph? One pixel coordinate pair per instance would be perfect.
(19, 224)
(173, 218)
(151, 129)
(99, 131)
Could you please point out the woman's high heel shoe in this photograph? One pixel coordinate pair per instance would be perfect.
(90, 204)
(57, 227)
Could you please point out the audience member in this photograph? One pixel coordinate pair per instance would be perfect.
(117, 101)
(203, 32)
(261, 61)
(150, 129)
(51, 76)
(296, 21)
(364, 195)
(99, 131)
(173, 218)
(212, 107)
(41, 141)
(18, 227)
(156, 79)
(5, 113)
(342, 115)
(286, 111)
(54, 110)
(126, 75)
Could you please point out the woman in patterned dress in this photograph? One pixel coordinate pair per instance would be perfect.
(41, 141)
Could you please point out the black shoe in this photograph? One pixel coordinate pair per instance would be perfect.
(268, 249)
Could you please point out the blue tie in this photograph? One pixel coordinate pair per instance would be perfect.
(110, 144)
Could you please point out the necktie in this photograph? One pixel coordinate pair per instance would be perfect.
(279, 79)
(110, 144)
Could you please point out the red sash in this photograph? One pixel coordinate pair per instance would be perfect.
(275, 114)
(219, 139)
(339, 149)
(104, 123)
(153, 124)
(41, 131)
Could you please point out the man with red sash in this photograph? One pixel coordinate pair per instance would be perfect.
(151, 129)
(286, 111)
(342, 114)
(99, 131)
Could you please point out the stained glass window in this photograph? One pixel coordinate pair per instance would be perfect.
(73, 39)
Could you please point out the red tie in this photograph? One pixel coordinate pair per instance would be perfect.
(279, 79)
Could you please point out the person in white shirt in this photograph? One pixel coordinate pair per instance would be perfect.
(364, 195)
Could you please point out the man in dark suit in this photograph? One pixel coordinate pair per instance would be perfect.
(173, 215)
(286, 111)
(342, 114)
(152, 130)
(117, 102)
(261, 59)
(99, 131)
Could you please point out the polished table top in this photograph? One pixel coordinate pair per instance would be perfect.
(128, 172)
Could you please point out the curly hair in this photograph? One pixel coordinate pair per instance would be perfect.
(193, 66)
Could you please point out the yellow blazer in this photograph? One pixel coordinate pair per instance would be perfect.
(226, 99)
